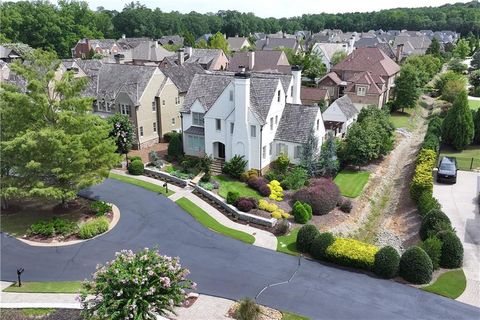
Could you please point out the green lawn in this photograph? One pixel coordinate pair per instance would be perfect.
(228, 184)
(401, 119)
(351, 183)
(287, 243)
(142, 184)
(212, 224)
(464, 158)
(474, 104)
(46, 287)
(37, 312)
(292, 316)
(451, 284)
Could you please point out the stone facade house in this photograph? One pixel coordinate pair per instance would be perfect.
(256, 115)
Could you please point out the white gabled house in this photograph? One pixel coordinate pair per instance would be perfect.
(340, 115)
(256, 115)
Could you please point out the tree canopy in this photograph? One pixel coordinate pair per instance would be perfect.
(45, 25)
(51, 144)
(458, 127)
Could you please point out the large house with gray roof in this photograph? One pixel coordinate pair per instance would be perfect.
(255, 115)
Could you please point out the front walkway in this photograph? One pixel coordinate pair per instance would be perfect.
(263, 238)
(459, 202)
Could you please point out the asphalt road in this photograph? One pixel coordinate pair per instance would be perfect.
(225, 267)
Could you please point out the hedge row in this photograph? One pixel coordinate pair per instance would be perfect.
(422, 181)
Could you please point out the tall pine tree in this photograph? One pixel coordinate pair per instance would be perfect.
(309, 156)
(458, 127)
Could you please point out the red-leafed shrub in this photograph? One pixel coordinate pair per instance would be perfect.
(264, 190)
(322, 195)
(246, 204)
(256, 183)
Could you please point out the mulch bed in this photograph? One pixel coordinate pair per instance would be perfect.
(59, 314)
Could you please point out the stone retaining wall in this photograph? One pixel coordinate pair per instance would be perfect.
(236, 213)
(165, 177)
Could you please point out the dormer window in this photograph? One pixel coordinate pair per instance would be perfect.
(361, 91)
(197, 119)
(278, 96)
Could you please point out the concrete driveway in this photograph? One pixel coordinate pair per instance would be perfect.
(459, 202)
(226, 267)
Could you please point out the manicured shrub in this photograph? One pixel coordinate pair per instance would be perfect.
(42, 228)
(264, 190)
(433, 247)
(320, 245)
(247, 310)
(386, 263)
(135, 158)
(346, 205)
(422, 180)
(352, 253)
(232, 196)
(245, 204)
(416, 266)
(93, 227)
(295, 179)
(252, 173)
(136, 168)
(431, 142)
(235, 166)
(426, 202)
(302, 212)
(433, 222)
(305, 237)
(207, 186)
(64, 227)
(276, 190)
(256, 182)
(167, 137)
(282, 163)
(175, 148)
(322, 195)
(100, 208)
(55, 226)
(282, 227)
(135, 286)
(267, 206)
(452, 250)
(280, 214)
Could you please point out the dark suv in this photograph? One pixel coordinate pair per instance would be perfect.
(447, 170)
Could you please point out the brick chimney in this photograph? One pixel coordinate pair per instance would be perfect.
(398, 54)
(181, 57)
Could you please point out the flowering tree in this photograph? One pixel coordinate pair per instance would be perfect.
(122, 131)
(135, 286)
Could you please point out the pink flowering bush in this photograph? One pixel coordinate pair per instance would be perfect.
(135, 286)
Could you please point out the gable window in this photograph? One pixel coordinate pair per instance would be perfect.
(253, 131)
(232, 126)
(177, 100)
(163, 102)
(154, 127)
(271, 123)
(264, 152)
(297, 152)
(276, 119)
(154, 106)
(125, 109)
(218, 124)
(197, 119)
(173, 121)
(231, 95)
(141, 131)
(318, 124)
(361, 91)
(108, 106)
(278, 96)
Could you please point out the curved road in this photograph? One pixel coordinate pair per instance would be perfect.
(225, 267)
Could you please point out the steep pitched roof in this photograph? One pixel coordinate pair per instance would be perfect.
(262, 61)
(115, 78)
(236, 43)
(175, 39)
(329, 49)
(346, 106)
(273, 43)
(419, 44)
(333, 76)
(374, 82)
(204, 56)
(313, 94)
(104, 44)
(368, 59)
(130, 43)
(150, 51)
(296, 122)
(182, 75)
(8, 53)
(206, 88)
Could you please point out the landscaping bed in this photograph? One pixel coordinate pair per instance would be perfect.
(47, 221)
(39, 313)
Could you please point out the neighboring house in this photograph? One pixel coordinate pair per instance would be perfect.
(4, 71)
(332, 83)
(412, 45)
(129, 43)
(311, 96)
(339, 116)
(104, 47)
(171, 40)
(8, 54)
(270, 43)
(257, 116)
(209, 59)
(325, 51)
(149, 52)
(238, 43)
(371, 60)
(366, 89)
(132, 90)
(260, 61)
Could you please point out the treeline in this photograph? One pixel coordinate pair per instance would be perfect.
(45, 25)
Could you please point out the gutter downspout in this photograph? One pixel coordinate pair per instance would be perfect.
(260, 153)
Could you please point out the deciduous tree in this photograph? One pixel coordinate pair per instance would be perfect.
(407, 88)
(458, 127)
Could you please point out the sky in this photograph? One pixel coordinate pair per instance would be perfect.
(272, 8)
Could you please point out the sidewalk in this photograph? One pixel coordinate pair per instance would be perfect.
(263, 238)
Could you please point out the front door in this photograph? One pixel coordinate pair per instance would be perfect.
(221, 150)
